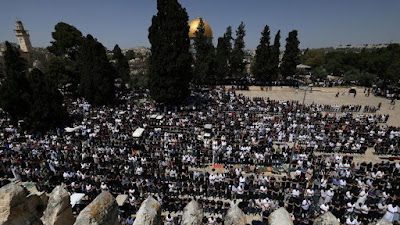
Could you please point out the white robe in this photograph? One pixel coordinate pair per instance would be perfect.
(389, 215)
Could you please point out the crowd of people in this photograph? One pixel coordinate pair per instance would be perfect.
(173, 158)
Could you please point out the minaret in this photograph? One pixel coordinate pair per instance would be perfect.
(24, 41)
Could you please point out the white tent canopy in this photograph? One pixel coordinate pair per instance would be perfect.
(138, 132)
(208, 126)
(121, 199)
(73, 129)
(76, 198)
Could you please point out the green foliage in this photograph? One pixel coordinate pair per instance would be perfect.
(319, 73)
(63, 71)
(262, 68)
(313, 57)
(46, 103)
(67, 40)
(237, 57)
(130, 54)
(15, 90)
(204, 64)
(121, 65)
(97, 80)
(223, 54)
(64, 67)
(291, 57)
(274, 74)
(363, 78)
(170, 59)
(33, 98)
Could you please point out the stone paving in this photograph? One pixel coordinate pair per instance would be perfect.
(321, 95)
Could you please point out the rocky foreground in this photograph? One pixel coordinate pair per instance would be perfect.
(18, 206)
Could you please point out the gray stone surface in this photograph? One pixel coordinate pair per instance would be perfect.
(103, 210)
(192, 214)
(235, 216)
(59, 210)
(382, 222)
(327, 219)
(149, 213)
(280, 217)
(17, 208)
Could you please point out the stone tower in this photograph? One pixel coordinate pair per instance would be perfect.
(24, 41)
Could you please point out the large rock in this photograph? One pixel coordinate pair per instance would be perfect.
(382, 222)
(17, 208)
(326, 219)
(149, 213)
(235, 216)
(280, 217)
(192, 214)
(59, 210)
(103, 210)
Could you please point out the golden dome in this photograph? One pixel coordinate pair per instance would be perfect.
(193, 28)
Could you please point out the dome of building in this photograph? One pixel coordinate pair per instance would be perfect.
(193, 28)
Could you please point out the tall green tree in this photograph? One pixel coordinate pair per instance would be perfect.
(170, 59)
(291, 58)
(67, 40)
(46, 103)
(237, 60)
(65, 47)
(15, 90)
(275, 52)
(97, 74)
(204, 64)
(223, 54)
(262, 68)
(121, 65)
(63, 71)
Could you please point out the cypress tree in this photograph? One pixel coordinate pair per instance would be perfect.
(204, 65)
(121, 65)
(261, 68)
(275, 57)
(223, 54)
(170, 60)
(237, 64)
(67, 40)
(291, 57)
(46, 109)
(97, 80)
(15, 90)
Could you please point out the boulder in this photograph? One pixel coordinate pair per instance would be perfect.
(280, 217)
(59, 210)
(327, 219)
(382, 221)
(149, 213)
(103, 210)
(17, 208)
(235, 216)
(192, 214)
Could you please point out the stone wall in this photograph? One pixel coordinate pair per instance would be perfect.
(17, 207)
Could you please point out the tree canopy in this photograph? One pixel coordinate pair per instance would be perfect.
(15, 90)
(237, 57)
(97, 74)
(262, 67)
(291, 58)
(121, 65)
(223, 54)
(204, 64)
(170, 59)
(67, 40)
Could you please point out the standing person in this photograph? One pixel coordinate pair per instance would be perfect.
(392, 103)
(391, 210)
